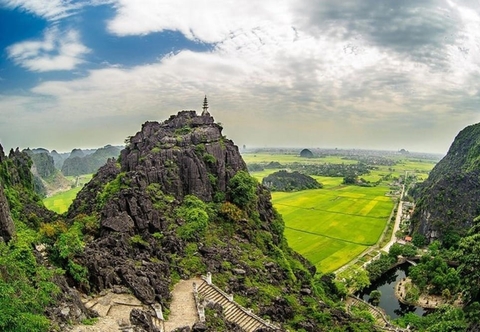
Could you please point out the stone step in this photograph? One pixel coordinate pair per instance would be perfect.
(232, 311)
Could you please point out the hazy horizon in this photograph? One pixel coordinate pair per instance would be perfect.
(346, 74)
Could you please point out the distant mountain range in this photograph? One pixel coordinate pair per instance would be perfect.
(50, 167)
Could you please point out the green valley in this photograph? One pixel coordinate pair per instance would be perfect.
(62, 200)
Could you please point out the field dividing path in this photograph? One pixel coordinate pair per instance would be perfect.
(398, 219)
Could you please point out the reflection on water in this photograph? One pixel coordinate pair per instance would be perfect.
(388, 301)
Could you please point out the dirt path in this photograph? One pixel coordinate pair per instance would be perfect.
(114, 309)
(183, 311)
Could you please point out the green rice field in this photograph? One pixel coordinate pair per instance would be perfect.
(333, 225)
(60, 202)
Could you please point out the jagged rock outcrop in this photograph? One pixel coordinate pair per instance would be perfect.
(7, 228)
(186, 154)
(16, 176)
(449, 199)
(44, 171)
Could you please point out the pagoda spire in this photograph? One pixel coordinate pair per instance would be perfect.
(205, 106)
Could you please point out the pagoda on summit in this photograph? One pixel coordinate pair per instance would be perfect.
(205, 107)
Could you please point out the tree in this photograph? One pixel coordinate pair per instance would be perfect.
(350, 179)
(469, 269)
(375, 296)
(243, 189)
(418, 240)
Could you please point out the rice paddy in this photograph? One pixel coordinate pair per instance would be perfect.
(60, 202)
(333, 225)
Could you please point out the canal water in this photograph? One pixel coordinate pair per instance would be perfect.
(386, 285)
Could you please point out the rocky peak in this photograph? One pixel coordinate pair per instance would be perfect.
(449, 199)
(2, 154)
(186, 154)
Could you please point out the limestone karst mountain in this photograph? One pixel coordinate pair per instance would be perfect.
(47, 178)
(89, 161)
(179, 203)
(449, 200)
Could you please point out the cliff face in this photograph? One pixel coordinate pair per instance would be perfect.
(450, 198)
(7, 229)
(43, 163)
(19, 188)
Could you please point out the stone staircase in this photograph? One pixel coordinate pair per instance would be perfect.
(380, 318)
(234, 312)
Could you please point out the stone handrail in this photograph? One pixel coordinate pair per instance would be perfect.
(387, 322)
(200, 307)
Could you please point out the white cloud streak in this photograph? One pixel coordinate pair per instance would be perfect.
(51, 10)
(57, 51)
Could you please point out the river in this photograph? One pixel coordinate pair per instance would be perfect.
(388, 302)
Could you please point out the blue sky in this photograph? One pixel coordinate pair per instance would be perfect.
(304, 73)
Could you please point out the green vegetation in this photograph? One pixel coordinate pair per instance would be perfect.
(183, 131)
(468, 255)
(444, 319)
(385, 262)
(26, 287)
(290, 181)
(242, 189)
(137, 240)
(375, 296)
(90, 321)
(434, 276)
(193, 212)
(111, 188)
(64, 243)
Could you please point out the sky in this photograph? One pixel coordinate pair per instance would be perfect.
(364, 74)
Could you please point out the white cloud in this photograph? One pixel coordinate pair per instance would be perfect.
(208, 21)
(270, 80)
(57, 51)
(49, 9)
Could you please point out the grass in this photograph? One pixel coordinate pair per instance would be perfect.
(60, 202)
(333, 225)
